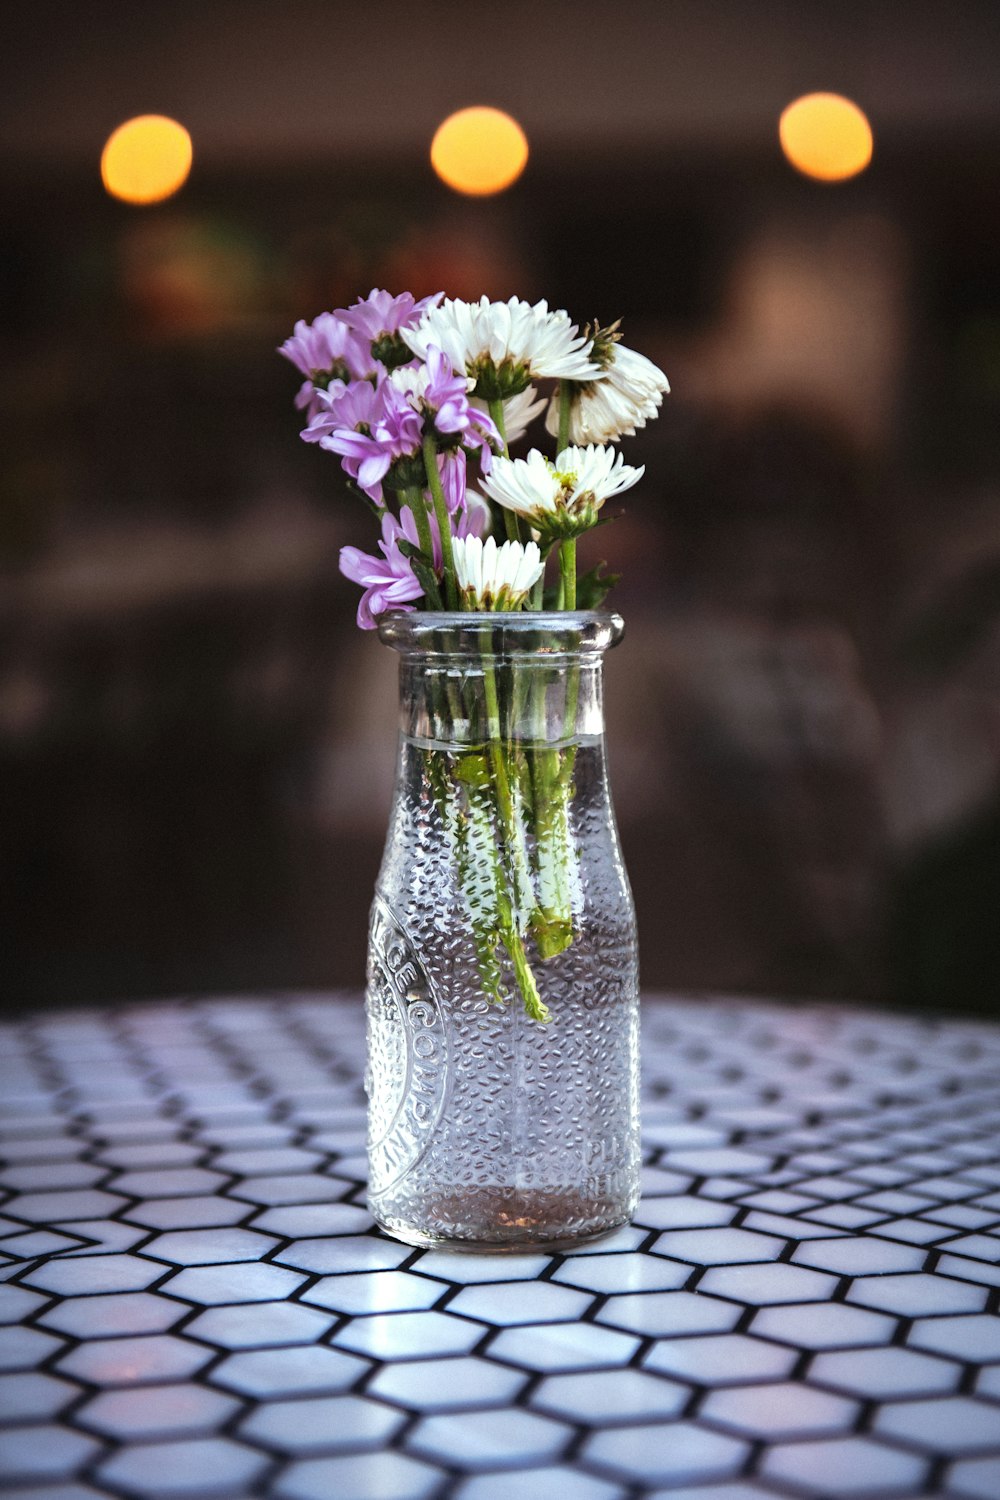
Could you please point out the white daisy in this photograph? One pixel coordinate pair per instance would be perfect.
(626, 396)
(503, 346)
(518, 412)
(492, 577)
(560, 499)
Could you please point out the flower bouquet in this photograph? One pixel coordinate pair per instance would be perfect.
(502, 903)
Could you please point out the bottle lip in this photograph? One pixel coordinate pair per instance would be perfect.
(528, 632)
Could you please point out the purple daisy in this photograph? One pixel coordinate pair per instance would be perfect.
(388, 582)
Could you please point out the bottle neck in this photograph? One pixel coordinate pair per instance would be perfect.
(526, 698)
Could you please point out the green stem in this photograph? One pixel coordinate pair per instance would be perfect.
(512, 832)
(567, 566)
(443, 520)
(418, 505)
(505, 799)
(509, 518)
(565, 406)
(496, 412)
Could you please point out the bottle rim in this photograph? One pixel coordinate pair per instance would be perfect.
(541, 633)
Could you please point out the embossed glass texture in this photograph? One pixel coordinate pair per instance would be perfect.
(502, 891)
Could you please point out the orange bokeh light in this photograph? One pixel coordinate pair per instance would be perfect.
(479, 151)
(826, 136)
(146, 159)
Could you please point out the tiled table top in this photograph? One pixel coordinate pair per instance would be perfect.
(194, 1301)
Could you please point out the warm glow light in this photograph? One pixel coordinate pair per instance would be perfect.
(479, 151)
(826, 136)
(146, 159)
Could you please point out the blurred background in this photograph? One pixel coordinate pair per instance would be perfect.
(197, 745)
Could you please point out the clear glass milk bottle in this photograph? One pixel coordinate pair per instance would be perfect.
(502, 1000)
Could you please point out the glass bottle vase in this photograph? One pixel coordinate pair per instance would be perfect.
(502, 1000)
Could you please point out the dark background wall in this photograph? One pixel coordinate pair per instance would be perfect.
(196, 745)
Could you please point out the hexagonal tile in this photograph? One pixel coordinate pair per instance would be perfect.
(24, 1348)
(113, 1313)
(968, 1270)
(194, 1467)
(209, 1247)
(323, 1424)
(42, 1176)
(375, 1291)
(715, 1247)
(306, 1368)
(17, 1303)
(724, 1161)
(95, 1273)
(158, 1153)
(506, 1438)
(601, 1398)
(758, 1285)
(781, 1409)
(844, 1466)
(786, 1228)
(917, 1293)
(720, 1359)
(303, 1187)
(667, 1453)
(409, 1335)
(52, 1208)
(43, 1451)
(104, 1235)
(859, 1256)
(453, 1384)
(30, 1395)
(460, 1268)
(314, 1220)
(154, 1359)
(683, 1212)
(663, 1313)
(733, 1489)
(975, 1478)
(823, 1325)
(682, 1133)
(30, 1244)
(167, 1182)
(563, 1346)
(259, 1325)
(542, 1484)
(951, 1425)
(973, 1337)
(157, 1411)
(345, 1253)
(390, 1476)
(263, 1160)
(516, 1302)
(196, 1212)
(628, 1237)
(246, 1282)
(623, 1273)
(884, 1374)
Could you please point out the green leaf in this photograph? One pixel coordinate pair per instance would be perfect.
(593, 588)
(423, 572)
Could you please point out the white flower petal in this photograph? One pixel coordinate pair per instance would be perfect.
(625, 397)
(490, 577)
(545, 343)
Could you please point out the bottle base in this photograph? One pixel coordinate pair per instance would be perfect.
(502, 1221)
